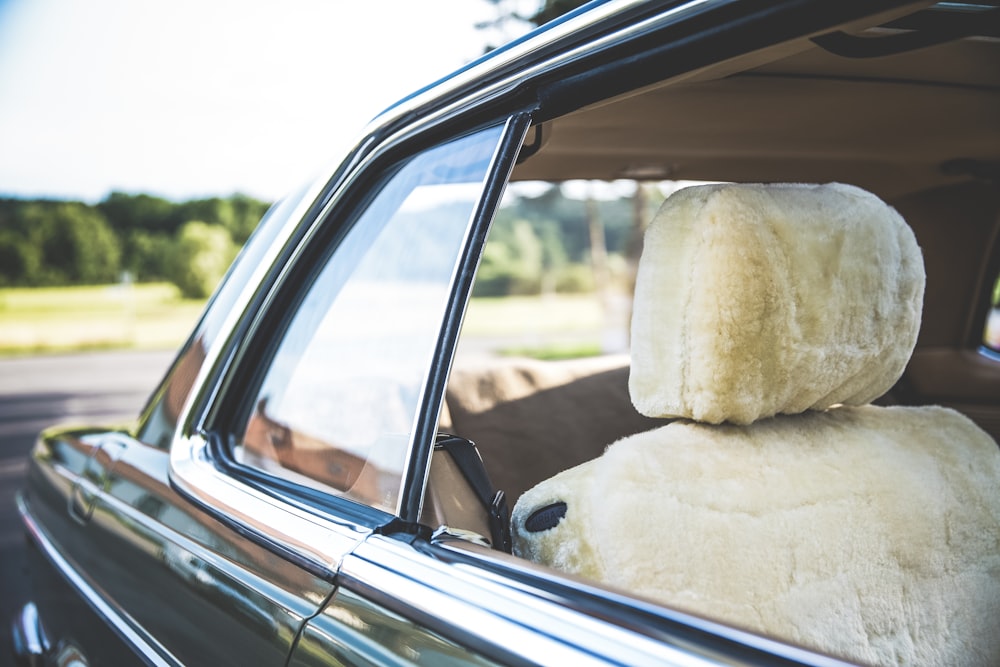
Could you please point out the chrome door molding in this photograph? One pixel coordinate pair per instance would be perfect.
(512, 611)
(317, 542)
(145, 647)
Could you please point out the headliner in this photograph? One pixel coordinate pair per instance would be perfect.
(796, 112)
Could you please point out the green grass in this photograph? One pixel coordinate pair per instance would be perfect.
(518, 315)
(153, 316)
(556, 351)
(41, 320)
(550, 327)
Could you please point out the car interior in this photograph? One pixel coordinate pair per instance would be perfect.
(906, 108)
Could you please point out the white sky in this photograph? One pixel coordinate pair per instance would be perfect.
(189, 98)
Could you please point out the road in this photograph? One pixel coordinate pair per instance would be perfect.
(36, 392)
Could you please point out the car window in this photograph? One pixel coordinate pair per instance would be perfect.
(991, 333)
(558, 268)
(339, 397)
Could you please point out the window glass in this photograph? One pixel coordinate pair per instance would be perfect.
(338, 402)
(991, 335)
(558, 269)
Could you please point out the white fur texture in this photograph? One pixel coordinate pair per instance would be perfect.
(754, 300)
(869, 533)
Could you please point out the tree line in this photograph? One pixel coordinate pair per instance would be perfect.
(552, 242)
(56, 243)
(544, 242)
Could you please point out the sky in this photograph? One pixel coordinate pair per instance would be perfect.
(193, 98)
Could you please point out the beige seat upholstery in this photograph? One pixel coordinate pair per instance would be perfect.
(531, 419)
(766, 319)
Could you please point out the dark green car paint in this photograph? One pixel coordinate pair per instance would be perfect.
(207, 595)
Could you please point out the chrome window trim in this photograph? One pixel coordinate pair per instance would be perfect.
(144, 645)
(476, 606)
(202, 391)
(418, 110)
(418, 460)
(316, 541)
(464, 79)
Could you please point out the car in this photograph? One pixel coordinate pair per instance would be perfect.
(330, 473)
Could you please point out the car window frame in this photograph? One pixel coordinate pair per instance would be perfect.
(311, 528)
(270, 234)
(266, 342)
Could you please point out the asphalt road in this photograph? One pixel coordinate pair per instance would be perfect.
(37, 392)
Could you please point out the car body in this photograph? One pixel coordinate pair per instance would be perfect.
(212, 532)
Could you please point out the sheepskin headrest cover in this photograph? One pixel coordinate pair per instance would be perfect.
(754, 300)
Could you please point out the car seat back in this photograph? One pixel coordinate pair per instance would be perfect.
(766, 318)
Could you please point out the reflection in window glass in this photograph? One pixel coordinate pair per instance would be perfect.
(338, 402)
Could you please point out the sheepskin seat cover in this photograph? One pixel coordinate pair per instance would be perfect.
(869, 533)
(755, 300)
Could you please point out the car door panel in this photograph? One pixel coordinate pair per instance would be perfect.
(169, 570)
(73, 618)
(353, 630)
(405, 600)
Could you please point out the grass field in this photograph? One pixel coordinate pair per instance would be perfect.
(516, 315)
(150, 316)
(554, 326)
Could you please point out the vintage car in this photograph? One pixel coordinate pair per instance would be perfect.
(323, 477)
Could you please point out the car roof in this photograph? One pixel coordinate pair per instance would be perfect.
(901, 99)
(495, 55)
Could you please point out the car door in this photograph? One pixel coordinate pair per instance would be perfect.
(133, 572)
(313, 431)
(178, 585)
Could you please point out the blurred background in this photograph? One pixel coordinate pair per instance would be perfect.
(140, 144)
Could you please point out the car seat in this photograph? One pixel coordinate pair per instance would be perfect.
(766, 319)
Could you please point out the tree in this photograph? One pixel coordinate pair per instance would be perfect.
(553, 9)
(507, 16)
(239, 214)
(513, 261)
(48, 242)
(200, 257)
(125, 212)
(148, 254)
(75, 242)
(20, 261)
